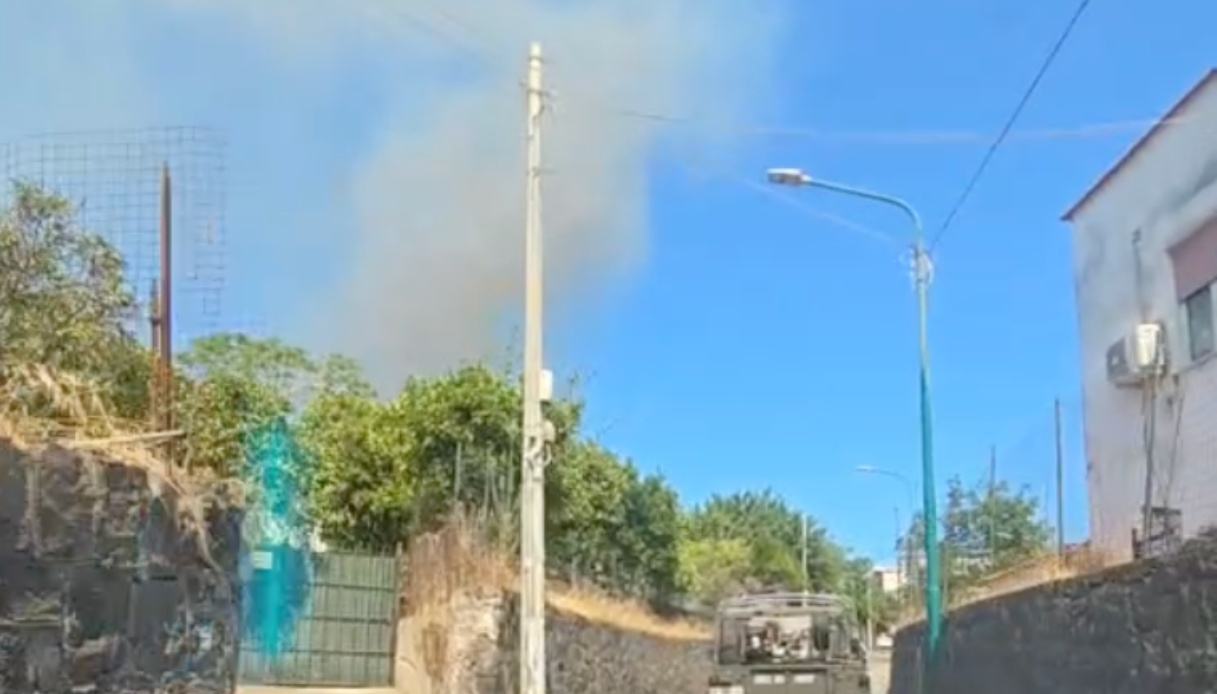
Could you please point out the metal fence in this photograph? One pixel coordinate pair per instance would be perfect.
(112, 178)
(346, 633)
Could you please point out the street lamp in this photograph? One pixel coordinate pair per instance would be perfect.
(904, 481)
(789, 177)
(904, 542)
(921, 276)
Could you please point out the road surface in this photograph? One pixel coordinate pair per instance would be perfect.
(253, 689)
(880, 670)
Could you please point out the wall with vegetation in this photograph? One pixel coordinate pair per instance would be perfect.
(477, 652)
(1143, 627)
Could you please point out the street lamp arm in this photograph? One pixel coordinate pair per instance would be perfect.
(877, 197)
(899, 477)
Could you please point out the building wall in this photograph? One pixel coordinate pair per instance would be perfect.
(888, 579)
(1164, 194)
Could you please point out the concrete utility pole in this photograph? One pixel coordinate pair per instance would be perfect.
(900, 575)
(803, 558)
(1060, 481)
(870, 613)
(532, 472)
(992, 505)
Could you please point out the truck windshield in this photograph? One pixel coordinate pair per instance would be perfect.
(774, 640)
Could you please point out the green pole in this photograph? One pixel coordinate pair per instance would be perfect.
(921, 276)
(933, 583)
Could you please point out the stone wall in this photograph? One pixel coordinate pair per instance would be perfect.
(1144, 627)
(106, 584)
(473, 649)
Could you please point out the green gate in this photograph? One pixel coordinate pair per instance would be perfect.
(346, 635)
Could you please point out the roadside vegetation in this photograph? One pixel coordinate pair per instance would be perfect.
(381, 469)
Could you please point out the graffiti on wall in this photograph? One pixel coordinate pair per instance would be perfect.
(276, 560)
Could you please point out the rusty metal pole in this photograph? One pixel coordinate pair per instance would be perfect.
(165, 309)
(154, 375)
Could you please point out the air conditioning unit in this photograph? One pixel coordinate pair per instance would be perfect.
(1136, 356)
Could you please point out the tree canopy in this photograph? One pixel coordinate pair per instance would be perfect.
(378, 469)
(985, 529)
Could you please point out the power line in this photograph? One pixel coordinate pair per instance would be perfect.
(477, 45)
(787, 199)
(903, 137)
(1005, 131)
(910, 137)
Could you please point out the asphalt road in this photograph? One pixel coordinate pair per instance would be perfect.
(880, 674)
(880, 670)
(253, 689)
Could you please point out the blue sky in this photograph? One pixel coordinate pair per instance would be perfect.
(726, 338)
(787, 346)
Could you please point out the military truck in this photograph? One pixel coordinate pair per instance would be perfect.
(788, 643)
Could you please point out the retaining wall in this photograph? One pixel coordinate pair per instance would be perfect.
(1144, 627)
(472, 648)
(105, 586)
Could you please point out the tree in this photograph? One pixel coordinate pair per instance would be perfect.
(338, 374)
(232, 384)
(65, 302)
(995, 529)
(651, 549)
(229, 386)
(363, 493)
(984, 530)
(350, 466)
(465, 436)
(713, 569)
(276, 366)
(773, 532)
(386, 472)
(586, 511)
(452, 443)
(443, 444)
(219, 413)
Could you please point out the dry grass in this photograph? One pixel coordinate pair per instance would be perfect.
(1037, 571)
(626, 615)
(41, 407)
(1048, 568)
(456, 562)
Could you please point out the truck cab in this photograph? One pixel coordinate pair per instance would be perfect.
(788, 643)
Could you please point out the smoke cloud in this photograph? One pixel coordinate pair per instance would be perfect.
(431, 259)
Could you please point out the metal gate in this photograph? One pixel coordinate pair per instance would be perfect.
(346, 633)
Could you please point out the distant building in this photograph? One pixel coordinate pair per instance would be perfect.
(316, 544)
(889, 580)
(1145, 263)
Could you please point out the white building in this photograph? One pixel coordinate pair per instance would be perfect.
(1145, 254)
(888, 579)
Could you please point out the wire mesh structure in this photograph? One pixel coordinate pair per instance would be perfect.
(113, 178)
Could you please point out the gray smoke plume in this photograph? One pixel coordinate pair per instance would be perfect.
(432, 272)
